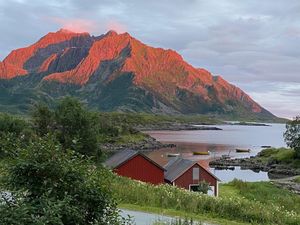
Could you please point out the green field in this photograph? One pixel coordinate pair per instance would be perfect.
(239, 202)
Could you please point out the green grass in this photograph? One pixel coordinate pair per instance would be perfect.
(150, 119)
(258, 203)
(262, 192)
(181, 214)
(297, 180)
(280, 155)
(131, 138)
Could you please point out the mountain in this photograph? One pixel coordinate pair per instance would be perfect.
(116, 72)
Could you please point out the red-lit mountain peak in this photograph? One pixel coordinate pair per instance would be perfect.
(13, 64)
(121, 72)
(106, 48)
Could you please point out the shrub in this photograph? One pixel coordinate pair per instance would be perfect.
(51, 186)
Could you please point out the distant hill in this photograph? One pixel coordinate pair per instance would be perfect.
(116, 72)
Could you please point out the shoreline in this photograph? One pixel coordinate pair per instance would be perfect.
(255, 164)
(282, 176)
(148, 144)
(176, 127)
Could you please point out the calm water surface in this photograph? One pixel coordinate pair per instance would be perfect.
(221, 142)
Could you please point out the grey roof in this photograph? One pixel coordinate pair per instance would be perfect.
(119, 158)
(178, 166)
(123, 156)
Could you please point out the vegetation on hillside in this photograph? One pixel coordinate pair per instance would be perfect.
(73, 126)
(136, 119)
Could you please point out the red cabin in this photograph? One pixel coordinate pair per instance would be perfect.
(187, 174)
(137, 166)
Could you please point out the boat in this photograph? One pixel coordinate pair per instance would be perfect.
(173, 154)
(201, 153)
(266, 146)
(239, 150)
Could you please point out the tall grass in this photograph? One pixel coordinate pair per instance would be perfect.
(236, 208)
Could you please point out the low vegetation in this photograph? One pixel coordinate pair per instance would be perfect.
(284, 156)
(297, 180)
(277, 207)
(264, 193)
(135, 119)
(178, 222)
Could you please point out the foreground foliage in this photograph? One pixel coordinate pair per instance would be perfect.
(47, 185)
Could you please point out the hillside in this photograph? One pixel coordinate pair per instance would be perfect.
(116, 72)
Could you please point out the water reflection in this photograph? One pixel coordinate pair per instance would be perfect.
(220, 143)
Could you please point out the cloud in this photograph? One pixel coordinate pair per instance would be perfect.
(116, 26)
(251, 43)
(76, 25)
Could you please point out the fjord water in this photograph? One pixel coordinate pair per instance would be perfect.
(221, 142)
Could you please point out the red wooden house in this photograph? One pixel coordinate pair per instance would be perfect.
(187, 174)
(135, 165)
(179, 172)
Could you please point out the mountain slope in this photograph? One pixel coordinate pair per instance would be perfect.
(117, 72)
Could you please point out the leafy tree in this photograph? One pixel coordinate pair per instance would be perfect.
(51, 186)
(43, 119)
(73, 125)
(292, 135)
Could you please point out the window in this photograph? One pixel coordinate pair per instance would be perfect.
(196, 173)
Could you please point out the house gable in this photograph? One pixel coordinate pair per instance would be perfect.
(140, 168)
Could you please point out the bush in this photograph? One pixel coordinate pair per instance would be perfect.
(204, 187)
(11, 124)
(51, 186)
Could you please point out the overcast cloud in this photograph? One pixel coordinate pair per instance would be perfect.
(251, 43)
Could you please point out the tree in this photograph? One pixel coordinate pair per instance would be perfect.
(75, 127)
(51, 186)
(43, 119)
(292, 135)
(72, 124)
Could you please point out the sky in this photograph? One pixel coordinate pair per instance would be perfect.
(253, 44)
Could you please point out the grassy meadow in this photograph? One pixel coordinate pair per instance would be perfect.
(239, 202)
